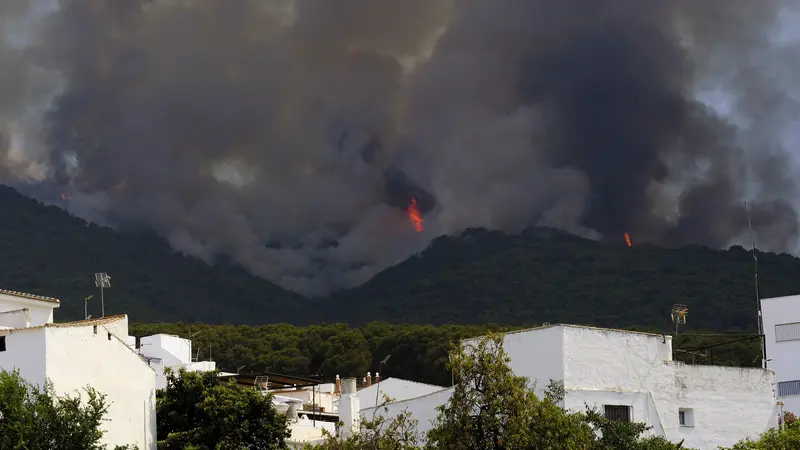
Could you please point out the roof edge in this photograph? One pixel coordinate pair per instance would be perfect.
(27, 296)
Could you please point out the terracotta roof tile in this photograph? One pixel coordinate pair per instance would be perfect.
(77, 323)
(84, 323)
(30, 296)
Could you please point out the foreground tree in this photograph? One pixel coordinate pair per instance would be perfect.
(197, 411)
(787, 438)
(34, 419)
(491, 408)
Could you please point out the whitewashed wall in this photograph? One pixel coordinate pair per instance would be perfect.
(77, 357)
(784, 357)
(619, 368)
(396, 388)
(610, 367)
(19, 318)
(25, 350)
(41, 312)
(423, 409)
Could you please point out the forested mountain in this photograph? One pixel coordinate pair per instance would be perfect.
(549, 276)
(44, 250)
(479, 277)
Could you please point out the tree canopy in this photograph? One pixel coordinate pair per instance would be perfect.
(37, 419)
(197, 411)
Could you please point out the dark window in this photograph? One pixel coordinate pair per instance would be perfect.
(94, 328)
(686, 417)
(2, 343)
(109, 336)
(620, 413)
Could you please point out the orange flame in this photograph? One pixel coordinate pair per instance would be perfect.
(628, 239)
(64, 196)
(415, 216)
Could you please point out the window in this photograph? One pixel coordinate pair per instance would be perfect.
(2, 343)
(787, 332)
(686, 417)
(787, 388)
(94, 328)
(620, 413)
(109, 336)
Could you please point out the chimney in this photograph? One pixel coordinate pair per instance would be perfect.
(377, 377)
(291, 413)
(337, 389)
(369, 379)
(349, 408)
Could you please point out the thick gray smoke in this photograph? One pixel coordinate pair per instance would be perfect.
(292, 135)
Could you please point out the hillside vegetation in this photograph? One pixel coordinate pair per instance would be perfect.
(44, 250)
(480, 277)
(549, 276)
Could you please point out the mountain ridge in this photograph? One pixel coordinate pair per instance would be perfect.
(479, 276)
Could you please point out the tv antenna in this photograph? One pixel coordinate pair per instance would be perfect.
(758, 294)
(102, 280)
(678, 315)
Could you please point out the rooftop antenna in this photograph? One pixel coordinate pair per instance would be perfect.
(378, 390)
(758, 294)
(102, 280)
(678, 316)
(86, 307)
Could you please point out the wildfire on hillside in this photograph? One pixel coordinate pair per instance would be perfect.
(628, 239)
(415, 216)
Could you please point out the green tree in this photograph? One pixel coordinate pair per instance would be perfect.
(787, 438)
(380, 433)
(491, 408)
(38, 419)
(198, 411)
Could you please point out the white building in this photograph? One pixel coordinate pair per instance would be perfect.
(163, 351)
(74, 355)
(396, 389)
(631, 376)
(781, 318)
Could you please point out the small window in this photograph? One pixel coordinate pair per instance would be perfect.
(2, 343)
(109, 336)
(686, 417)
(787, 332)
(619, 413)
(94, 328)
(787, 388)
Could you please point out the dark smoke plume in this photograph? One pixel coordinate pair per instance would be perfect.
(292, 135)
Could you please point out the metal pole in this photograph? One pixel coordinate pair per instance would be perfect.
(314, 406)
(102, 302)
(86, 308)
(758, 294)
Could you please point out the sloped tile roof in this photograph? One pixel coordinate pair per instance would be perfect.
(30, 296)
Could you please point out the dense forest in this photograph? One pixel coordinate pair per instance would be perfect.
(479, 277)
(418, 352)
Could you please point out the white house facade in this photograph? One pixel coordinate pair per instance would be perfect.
(74, 355)
(164, 351)
(781, 318)
(631, 376)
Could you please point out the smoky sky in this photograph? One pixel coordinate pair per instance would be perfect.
(292, 135)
